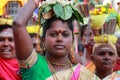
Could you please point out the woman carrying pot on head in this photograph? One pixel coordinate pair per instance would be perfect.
(104, 57)
(57, 41)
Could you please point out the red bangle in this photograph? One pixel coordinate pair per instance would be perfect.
(36, 2)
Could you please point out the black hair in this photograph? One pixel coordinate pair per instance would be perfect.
(5, 26)
(33, 34)
(80, 47)
(48, 23)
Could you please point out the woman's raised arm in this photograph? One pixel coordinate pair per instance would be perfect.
(23, 42)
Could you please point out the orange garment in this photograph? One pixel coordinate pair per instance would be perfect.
(90, 66)
(9, 69)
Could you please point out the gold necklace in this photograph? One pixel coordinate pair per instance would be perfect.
(56, 64)
(54, 72)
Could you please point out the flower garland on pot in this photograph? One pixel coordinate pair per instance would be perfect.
(103, 20)
(64, 9)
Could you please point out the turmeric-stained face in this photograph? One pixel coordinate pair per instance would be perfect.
(58, 39)
(7, 48)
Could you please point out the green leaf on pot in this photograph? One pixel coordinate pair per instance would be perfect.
(67, 13)
(58, 9)
(78, 16)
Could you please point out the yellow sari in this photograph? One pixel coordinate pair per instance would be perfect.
(77, 72)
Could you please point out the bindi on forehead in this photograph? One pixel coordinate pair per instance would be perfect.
(60, 31)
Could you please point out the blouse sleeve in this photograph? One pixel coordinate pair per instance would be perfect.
(30, 61)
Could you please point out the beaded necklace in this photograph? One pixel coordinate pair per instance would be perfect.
(56, 64)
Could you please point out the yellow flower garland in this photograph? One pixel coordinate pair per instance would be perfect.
(104, 9)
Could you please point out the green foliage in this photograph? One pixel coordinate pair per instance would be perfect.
(64, 12)
(58, 9)
(67, 13)
(48, 8)
(78, 16)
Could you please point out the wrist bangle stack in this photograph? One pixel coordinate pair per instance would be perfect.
(36, 2)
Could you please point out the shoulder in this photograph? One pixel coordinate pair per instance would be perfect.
(113, 76)
(32, 60)
(39, 69)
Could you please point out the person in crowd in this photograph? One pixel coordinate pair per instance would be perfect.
(76, 49)
(104, 57)
(36, 41)
(57, 41)
(117, 66)
(9, 68)
(88, 42)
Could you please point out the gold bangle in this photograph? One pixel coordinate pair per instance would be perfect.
(36, 2)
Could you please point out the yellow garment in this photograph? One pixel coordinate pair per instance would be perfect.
(91, 67)
(84, 74)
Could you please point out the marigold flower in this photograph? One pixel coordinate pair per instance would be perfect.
(103, 9)
(100, 12)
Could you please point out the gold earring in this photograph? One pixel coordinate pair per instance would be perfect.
(71, 55)
(43, 47)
